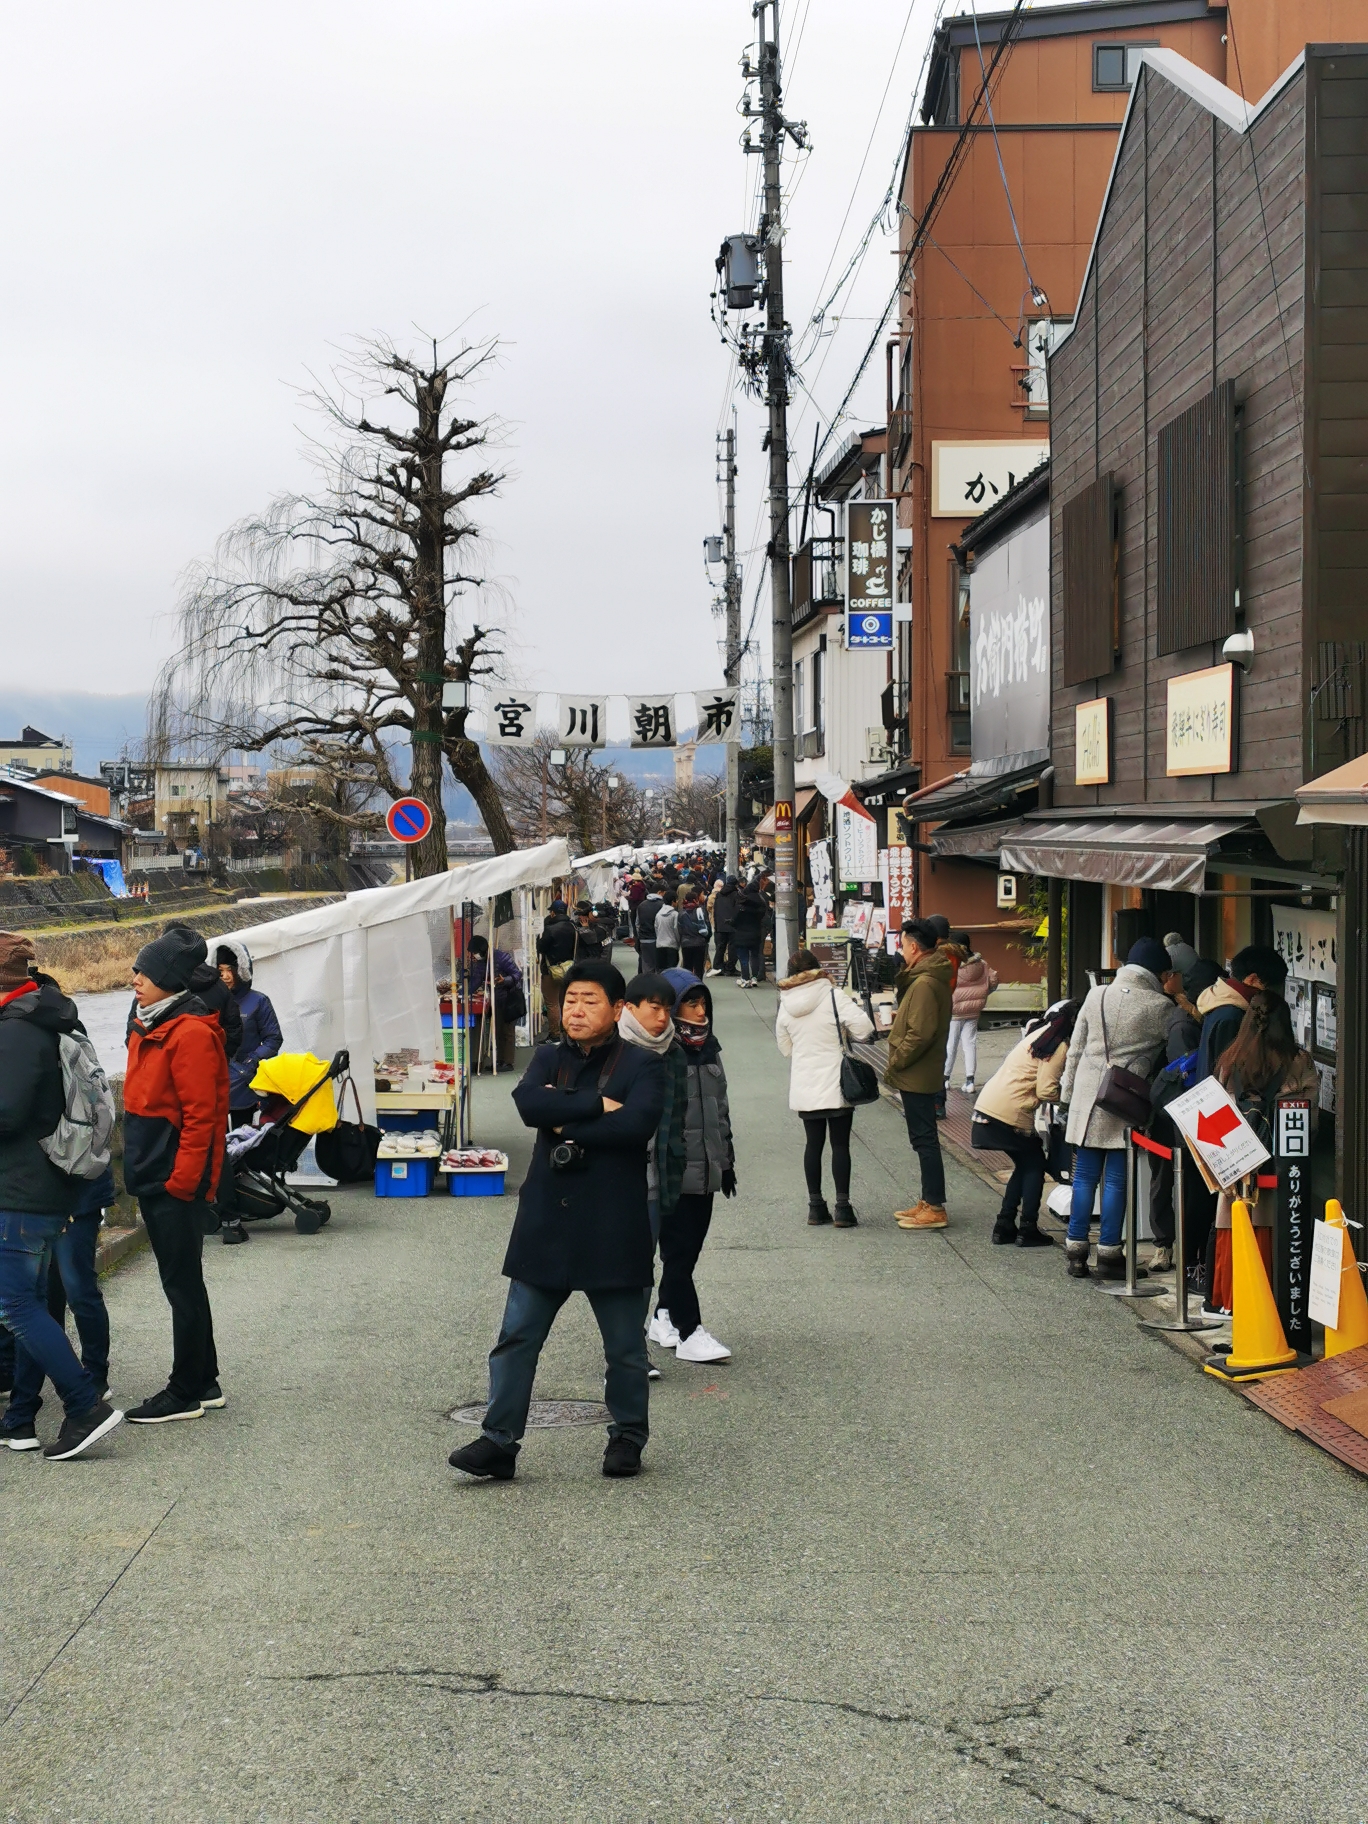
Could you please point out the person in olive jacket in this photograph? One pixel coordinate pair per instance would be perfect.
(582, 1222)
(916, 1062)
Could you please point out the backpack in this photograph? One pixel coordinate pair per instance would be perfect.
(79, 1145)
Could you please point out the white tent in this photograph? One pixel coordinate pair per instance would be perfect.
(359, 974)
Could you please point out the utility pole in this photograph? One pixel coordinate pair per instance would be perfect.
(773, 128)
(733, 667)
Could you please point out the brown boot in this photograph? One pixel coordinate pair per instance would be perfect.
(925, 1216)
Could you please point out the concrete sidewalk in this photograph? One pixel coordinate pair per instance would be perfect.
(950, 1538)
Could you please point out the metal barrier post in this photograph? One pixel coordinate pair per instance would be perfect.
(1130, 1288)
(1181, 1321)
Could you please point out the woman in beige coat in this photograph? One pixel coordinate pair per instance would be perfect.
(1004, 1119)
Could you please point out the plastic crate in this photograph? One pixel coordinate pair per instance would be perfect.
(404, 1177)
(477, 1184)
(405, 1120)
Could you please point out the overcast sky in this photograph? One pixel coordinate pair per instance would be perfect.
(202, 206)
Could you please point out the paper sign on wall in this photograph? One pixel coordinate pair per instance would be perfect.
(1218, 1133)
(1327, 1269)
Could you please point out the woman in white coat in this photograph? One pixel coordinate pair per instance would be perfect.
(809, 1032)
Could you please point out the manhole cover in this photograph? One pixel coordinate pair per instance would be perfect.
(542, 1413)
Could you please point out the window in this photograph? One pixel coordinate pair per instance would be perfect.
(1042, 338)
(818, 716)
(1116, 66)
(1091, 603)
(1199, 518)
(961, 645)
(799, 707)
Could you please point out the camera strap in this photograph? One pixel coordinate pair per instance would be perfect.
(609, 1066)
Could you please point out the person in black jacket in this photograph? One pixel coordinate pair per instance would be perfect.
(748, 932)
(724, 927)
(582, 1222)
(555, 949)
(37, 1200)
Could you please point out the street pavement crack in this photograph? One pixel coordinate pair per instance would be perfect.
(89, 1617)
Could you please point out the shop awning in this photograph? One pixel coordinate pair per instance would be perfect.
(977, 841)
(1338, 797)
(802, 806)
(973, 792)
(1146, 852)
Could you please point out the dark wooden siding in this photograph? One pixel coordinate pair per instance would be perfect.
(1195, 506)
(1197, 281)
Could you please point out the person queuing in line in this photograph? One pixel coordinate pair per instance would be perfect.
(504, 1007)
(647, 914)
(582, 1223)
(1124, 1022)
(667, 931)
(748, 933)
(555, 955)
(916, 1062)
(261, 1034)
(37, 1201)
(1262, 1063)
(647, 1021)
(210, 988)
(1004, 1120)
(722, 917)
(1224, 1004)
(974, 982)
(1184, 984)
(694, 933)
(175, 1124)
(710, 1167)
(811, 1031)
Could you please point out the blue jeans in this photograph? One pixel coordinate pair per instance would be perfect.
(26, 1241)
(73, 1256)
(528, 1317)
(1092, 1163)
(747, 958)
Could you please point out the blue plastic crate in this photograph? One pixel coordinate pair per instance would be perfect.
(405, 1121)
(404, 1177)
(477, 1184)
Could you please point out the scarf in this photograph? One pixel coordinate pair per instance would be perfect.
(156, 1011)
(694, 1037)
(634, 1033)
(14, 993)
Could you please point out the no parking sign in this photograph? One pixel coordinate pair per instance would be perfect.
(408, 820)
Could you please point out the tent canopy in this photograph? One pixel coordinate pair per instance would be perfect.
(359, 974)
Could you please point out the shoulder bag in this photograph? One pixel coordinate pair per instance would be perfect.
(859, 1083)
(347, 1152)
(1121, 1092)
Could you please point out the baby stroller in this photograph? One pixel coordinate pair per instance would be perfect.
(252, 1186)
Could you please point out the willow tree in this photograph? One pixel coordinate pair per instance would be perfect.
(325, 628)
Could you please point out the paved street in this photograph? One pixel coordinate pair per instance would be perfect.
(950, 1538)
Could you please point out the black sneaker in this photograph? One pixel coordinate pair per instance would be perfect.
(485, 1458)
(213, 1396)
(20, 1437)
(232, 1233)
(844, 1217)
(79, 1434)
(1029, 1236)
(622, 1458)
(163, 1407)
(1004, 1231)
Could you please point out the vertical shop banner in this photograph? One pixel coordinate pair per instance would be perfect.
(819, 873)
(511, 719)
(857, 845)
(652, 720)
(583, 722)
(1009, 654)
(719, 717)
(896, 868)
(869, 575)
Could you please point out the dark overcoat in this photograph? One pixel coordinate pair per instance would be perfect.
(587, 1230)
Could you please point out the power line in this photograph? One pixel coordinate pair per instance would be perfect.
(1035, 291)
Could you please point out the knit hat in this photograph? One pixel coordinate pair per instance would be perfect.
(1182, 956)
(171, 959)
(16, 953)
(1149, 953)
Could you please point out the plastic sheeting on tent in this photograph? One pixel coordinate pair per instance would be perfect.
(359, 973)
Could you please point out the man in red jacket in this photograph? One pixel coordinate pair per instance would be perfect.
(175, 1119)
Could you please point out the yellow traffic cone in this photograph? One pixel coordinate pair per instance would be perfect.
(1259, 1348)
(1352, 1330)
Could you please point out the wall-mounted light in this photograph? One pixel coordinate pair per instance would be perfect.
(1239, 649)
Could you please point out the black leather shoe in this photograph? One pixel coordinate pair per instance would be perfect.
(622, 1458)
(485, 1458)
(1004, 1231)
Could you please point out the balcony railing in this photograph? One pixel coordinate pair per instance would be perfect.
(817, 578)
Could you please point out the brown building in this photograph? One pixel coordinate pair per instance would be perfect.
(92, 793)
(992, 290)
(1209, 504)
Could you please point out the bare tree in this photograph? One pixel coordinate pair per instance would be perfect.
(324, 627)
(573, 799)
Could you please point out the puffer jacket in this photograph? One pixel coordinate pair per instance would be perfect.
(974, 983)
(1137, 1019)
(707, 1116)
(808, 1035)
(261, 1034)
(176, 1105)
(916, 1040)
(32, 1100)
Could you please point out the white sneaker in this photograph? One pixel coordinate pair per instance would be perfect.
(652, 1372)
(661, 1330)
(702, 1347)
(714, 972)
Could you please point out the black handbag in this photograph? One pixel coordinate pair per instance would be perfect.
(859, 1081)
(1121, 1092)
(347, 1152)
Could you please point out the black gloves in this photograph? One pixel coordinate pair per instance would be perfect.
(729, 1183)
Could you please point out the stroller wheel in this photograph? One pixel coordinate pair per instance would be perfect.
(308, 1222)
(324, 1215)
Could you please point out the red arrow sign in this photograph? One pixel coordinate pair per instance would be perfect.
(1212, 1129)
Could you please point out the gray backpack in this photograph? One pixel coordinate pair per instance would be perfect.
(79, 1145)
